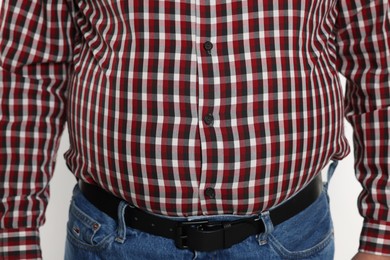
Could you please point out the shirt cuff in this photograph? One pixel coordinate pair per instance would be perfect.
(375, 237)
(20, 244)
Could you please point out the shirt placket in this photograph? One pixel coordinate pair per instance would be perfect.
(208, 109)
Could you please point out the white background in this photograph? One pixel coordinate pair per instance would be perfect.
(344, 190)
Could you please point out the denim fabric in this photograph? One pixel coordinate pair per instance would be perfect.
(94, 235)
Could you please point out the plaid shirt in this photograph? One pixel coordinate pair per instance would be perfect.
(192, 107)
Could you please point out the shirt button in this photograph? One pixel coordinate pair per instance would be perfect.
(208, 119)
(210, 193)
(208, 46)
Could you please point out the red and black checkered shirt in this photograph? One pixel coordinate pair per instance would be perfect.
(192, 107)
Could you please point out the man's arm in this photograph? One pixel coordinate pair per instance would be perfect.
(368, 256)
(363, 38)
(35, 58)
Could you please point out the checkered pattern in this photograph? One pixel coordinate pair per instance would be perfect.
(135, 83)
(20, 244)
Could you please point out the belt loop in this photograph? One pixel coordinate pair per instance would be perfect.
(121, 231)
(331, 169)
(268, 228)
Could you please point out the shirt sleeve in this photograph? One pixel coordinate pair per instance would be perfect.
(35, 58)
(363, 39)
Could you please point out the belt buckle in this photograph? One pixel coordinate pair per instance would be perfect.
(181, 234)
(215, 230)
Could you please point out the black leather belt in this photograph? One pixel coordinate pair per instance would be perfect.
(201, 235)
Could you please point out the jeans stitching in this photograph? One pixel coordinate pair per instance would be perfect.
(77, 214)
(281, 250)
(79, 243)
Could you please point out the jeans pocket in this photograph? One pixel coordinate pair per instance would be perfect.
(306, 235)
(87, 227)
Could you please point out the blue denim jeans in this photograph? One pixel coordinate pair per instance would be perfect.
(94, 235)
